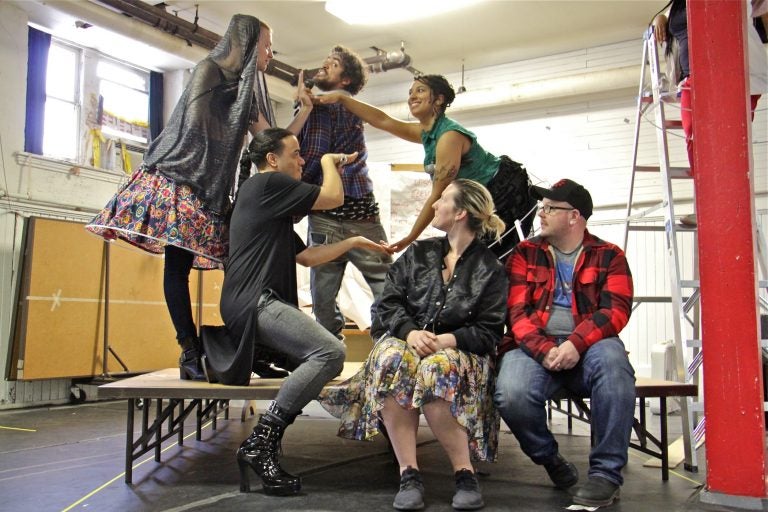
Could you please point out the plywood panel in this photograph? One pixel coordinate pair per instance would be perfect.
(140, 330)
(62, 320)
(62, 310)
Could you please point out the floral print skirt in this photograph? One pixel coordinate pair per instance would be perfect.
(152, 211)
(463, 379)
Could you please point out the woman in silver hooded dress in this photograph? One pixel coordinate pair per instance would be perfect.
(178, 200)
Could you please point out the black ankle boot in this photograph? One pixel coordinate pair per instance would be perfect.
(190, 366)
(260, 451)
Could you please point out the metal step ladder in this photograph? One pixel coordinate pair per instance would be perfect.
(653, 97)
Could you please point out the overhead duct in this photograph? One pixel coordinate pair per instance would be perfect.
(194, 34)
(385, 61)
(379, 63)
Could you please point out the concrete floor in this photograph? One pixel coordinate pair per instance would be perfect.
(72, 458)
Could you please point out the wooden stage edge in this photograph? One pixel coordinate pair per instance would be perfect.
(166, 384)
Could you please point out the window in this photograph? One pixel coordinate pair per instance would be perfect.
(125, 101)
(62, 107)
(108, 95)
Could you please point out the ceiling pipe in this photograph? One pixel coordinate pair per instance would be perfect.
(379, 63)
(156, 27)
(131, 27)
(192, 33)
(158, 18)
(162, 20)
(385, 61)
(108, 19)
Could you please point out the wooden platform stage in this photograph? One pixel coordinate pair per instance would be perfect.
(173, 400)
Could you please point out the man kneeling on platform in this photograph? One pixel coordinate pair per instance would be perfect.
(570, 295)
(259, 297)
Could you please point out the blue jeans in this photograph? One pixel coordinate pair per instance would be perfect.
(325, 279)
(316, 353)
(603, 374)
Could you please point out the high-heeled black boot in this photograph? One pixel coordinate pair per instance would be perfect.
(260, 451)
(190, 366)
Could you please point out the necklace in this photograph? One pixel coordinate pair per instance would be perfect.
(570, 252)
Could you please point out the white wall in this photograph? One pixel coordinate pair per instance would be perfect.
(588, 138)
(584, 134)
(32, 185)
(13, 60)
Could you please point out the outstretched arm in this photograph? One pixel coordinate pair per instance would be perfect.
(450, 147)
(377, 118)
(318, 254)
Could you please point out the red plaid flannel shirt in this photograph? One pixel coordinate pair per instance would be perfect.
(602, 295)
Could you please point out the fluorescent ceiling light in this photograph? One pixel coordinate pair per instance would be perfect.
(375, 12)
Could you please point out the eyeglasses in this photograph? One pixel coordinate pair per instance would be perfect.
(548, 208)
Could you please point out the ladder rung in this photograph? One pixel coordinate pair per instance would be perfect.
(762, 284)
(678, 227)
(673, 124)
(656, 298)
(764, 343)
(644, 213)
(689, 284)
(645, 228)
(651, 298)
(674, 172)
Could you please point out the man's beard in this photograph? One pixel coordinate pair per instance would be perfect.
(324, 85)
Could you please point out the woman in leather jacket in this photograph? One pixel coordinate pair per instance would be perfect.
(439, 320)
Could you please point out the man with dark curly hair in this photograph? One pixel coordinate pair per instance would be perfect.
(333, 129)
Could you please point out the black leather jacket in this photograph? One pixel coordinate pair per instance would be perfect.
(472, 305)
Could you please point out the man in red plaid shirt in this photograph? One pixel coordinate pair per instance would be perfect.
(570, 295)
